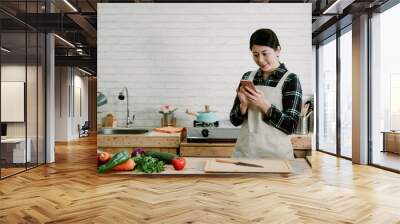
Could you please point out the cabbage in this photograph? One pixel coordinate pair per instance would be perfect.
(137, 152)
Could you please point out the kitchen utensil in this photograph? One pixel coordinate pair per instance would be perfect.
(101, 99)
(191, 113)
(304, 109)
(205, 116)
(269, 166)
(169, 130)
(302, 126)
(237, 163)
(309, 113)
(110, 121)
(207, 108)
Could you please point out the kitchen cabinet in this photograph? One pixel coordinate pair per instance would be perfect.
(178, 144)
(301, 145)
(206, 149)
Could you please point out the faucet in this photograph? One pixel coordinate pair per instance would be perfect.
(121, 96)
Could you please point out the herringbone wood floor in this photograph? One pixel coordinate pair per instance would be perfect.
(70, 191)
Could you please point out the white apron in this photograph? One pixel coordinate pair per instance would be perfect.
(258, 139)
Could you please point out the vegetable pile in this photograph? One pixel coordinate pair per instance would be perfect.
(148, 164)
(141, 161)
(179, 163)
(117, 159)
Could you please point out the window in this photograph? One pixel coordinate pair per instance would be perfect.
(385, 89)
(346, 75)
(22, 67)
(327, 96)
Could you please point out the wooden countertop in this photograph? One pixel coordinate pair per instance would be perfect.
(176, 140)
(195, 166)
(149, 139)
(150, 133)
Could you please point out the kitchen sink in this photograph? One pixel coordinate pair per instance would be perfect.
(122, 131)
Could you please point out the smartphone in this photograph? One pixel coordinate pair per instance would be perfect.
(248, 83)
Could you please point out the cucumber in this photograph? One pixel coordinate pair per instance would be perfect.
(163, 156)
(117, 159)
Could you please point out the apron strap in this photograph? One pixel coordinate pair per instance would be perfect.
(280, 83)
(283, 79)
(252, 75)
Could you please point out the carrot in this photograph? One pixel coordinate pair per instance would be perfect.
(128, 165)
(104, 157)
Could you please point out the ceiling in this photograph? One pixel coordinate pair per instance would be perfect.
(77, 22)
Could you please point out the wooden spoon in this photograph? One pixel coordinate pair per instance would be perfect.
(191, 113)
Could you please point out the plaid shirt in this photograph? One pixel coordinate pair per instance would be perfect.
(286, 119)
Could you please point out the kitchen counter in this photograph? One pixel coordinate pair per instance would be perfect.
(195, 166)
(177, 143)
(152, 140)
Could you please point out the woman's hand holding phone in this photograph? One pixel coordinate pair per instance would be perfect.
(256, 98)
(243, 99)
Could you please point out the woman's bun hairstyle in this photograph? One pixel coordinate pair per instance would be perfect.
(264, 37)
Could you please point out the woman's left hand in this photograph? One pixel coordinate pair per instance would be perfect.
(257, 99)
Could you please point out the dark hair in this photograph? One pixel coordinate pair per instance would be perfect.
(264, 37)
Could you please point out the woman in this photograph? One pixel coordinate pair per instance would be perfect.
(269, 114)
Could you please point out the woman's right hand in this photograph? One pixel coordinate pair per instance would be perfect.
(243, 100)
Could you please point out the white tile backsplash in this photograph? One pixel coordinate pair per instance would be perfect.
(190, 54)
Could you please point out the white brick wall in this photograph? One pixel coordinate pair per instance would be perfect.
(190, 54)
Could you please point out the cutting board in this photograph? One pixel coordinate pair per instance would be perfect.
(269, 166)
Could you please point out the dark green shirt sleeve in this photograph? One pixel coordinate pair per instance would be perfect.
(287, 119)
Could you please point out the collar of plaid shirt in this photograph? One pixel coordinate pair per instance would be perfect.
(273, 78)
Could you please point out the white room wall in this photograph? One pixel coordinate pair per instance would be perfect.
(66, 119)
(16, 73)
(33, 126)
(61, 103)
(80, 117)
(190, 55)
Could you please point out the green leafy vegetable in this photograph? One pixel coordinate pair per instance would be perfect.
(148, 164)
(163, 156)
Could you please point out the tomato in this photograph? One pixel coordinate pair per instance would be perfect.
(179, 163)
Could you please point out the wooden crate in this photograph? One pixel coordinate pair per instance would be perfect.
(301, 142)
(206, 149)
(152, 141)
(114, 150)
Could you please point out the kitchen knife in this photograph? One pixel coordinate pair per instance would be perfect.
(238, 163)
